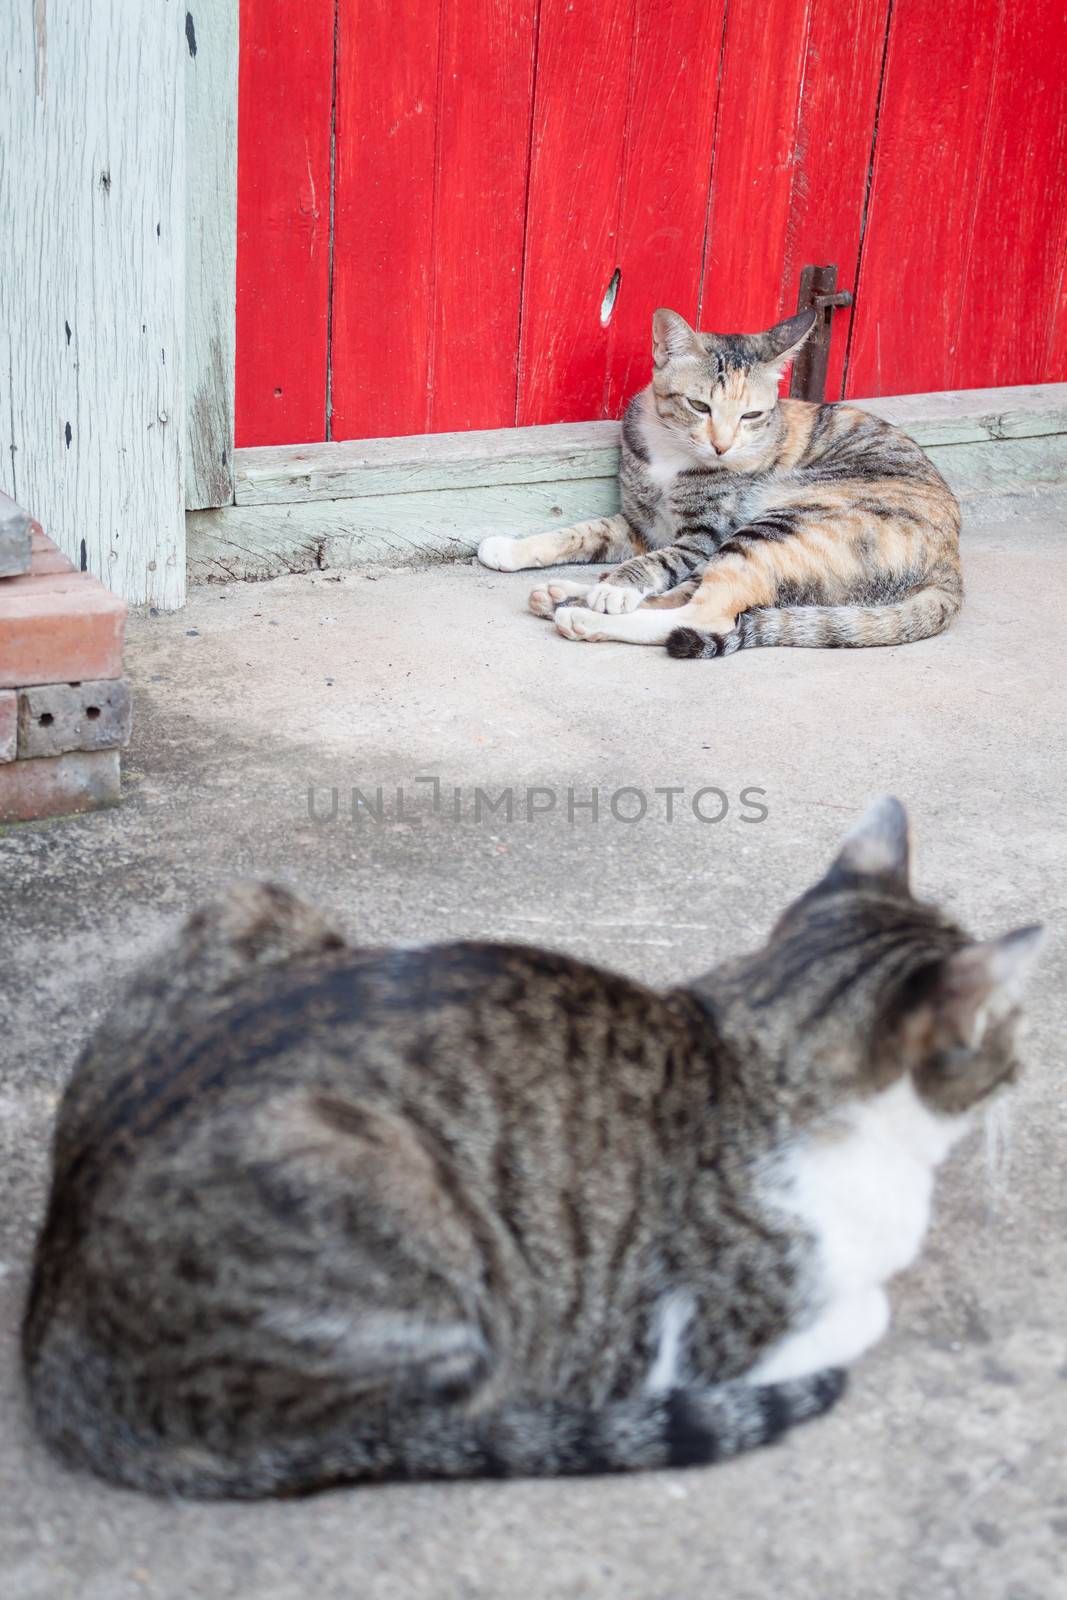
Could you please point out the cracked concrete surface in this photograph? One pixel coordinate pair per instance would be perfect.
(941, 1475)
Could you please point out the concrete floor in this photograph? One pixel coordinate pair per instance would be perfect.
(941, 1475)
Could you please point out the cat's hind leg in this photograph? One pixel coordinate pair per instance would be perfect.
(749, 574)
(600, 539)
(654, 621)
(643, 626)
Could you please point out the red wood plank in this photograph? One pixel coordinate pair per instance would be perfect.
(283, 220)
(1011, 282)
(386, 141)
(797, 116)
(835, 134)
(796, 120)
(487, 72)
(580, 115)
(932, 132)
(755, 158)
(667, 166)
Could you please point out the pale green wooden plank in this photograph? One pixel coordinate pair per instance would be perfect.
(280, 474)
(438, 525)
(974, 416)
(276, 475)
(1010, 466)
(414, 511)
(402, 530)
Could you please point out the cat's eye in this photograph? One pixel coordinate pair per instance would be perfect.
(751, 416)
(699, 405)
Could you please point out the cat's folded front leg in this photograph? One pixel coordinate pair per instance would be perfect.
(547, 597)
(644, 576)
(550, 597)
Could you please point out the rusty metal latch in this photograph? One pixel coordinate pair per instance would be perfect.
(819, 292)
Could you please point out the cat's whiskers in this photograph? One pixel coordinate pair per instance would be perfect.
(996, 1132)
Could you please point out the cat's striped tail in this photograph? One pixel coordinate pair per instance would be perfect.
(681, 1428)
(920, 615)
(424, 1438)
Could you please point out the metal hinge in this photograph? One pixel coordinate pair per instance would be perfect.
(818, 290)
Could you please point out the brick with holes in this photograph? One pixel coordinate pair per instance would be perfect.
(54, 718)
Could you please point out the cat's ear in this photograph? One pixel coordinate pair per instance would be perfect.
(968, 992)
(781, 343)
(877, 848)
(671, 337)
(958, 1035)
(983, 982)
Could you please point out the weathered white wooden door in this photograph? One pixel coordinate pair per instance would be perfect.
(92, 286)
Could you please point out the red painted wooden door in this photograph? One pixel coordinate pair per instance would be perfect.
(962, 271)
(462, 213)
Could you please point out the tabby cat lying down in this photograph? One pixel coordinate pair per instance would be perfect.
(322, 1214)
(748, 520)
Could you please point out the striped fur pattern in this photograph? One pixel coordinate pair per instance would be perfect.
(753, 520)
(322, 1214)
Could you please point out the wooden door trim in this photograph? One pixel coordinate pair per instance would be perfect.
(211, 55)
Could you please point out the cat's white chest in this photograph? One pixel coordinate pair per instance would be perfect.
(862, 1193)
(661, 471)
(680, 501)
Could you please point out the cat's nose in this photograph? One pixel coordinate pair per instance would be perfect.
(721, 449)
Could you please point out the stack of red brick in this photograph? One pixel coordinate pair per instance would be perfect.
(64, 704)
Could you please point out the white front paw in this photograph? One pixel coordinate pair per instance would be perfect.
(500, 553)
(613, 598)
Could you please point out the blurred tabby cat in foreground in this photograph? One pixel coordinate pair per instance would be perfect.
(749, 520)
(323, 1214)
